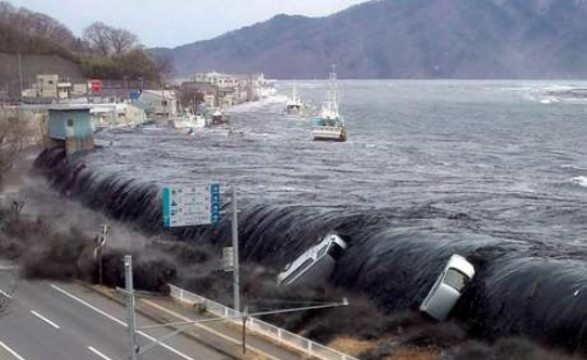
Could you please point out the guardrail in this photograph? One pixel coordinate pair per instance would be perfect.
(279, 335)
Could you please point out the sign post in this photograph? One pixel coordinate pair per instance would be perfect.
(130, 306)
(235, 260)
(200, 205)
(191, 205)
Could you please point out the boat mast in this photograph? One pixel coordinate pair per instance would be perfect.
(294, 95)
(333, 91)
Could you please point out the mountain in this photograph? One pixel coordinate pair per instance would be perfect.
(406, 39)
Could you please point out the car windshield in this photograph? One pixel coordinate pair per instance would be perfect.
(322, 250)
(456, 279)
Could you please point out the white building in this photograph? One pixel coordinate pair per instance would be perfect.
(46, 86)
(221, 80)
(160, 103)
(106, 116)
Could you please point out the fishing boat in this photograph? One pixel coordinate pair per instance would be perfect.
(329, 126)
(218, 117)
(294, 105)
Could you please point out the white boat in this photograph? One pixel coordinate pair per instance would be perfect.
(294, 105)
(315, 265)
(188, 122)
(329, 126)
(218, 117)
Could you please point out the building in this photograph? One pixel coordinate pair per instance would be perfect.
(46, 86)
(194, 93)
(117, 115)
(160, 103)
(217, 79)
(70, 127)
(64, 90)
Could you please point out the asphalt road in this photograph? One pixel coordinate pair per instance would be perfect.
(48, 321)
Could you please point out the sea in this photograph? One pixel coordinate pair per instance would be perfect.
(495, 171)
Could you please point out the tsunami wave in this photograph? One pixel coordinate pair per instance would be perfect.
(521, 288)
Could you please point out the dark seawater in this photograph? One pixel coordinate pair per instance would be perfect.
(495, 171)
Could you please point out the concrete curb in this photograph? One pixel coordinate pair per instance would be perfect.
(160, 320)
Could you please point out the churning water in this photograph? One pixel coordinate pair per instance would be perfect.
(495, 171)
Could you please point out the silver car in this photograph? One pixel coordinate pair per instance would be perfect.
(315, 265)
(448, 288)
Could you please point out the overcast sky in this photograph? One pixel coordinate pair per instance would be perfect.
(177, 22)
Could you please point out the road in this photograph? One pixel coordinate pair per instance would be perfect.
(66, 321)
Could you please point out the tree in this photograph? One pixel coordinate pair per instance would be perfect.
(165, 67)
(122, 41)
(97, 36)
(106, 40)
(35, 24)
(10, 140)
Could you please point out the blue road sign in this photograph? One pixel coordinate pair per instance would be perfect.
(190, 206)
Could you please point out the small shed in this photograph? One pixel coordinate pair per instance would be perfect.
(71, 127)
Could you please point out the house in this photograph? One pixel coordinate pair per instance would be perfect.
(70, 126)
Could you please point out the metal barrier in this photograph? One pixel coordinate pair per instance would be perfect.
(276, 334)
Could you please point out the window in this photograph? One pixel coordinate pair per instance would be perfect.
(456, 279)
(299, 270)
(50, 82)
(322, 251)
(164, 103)
(70, 122)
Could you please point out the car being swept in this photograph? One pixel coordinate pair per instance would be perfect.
(315, 265)
(448, 288)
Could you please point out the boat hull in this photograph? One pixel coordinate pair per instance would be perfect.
(326, 133)
(293, 109)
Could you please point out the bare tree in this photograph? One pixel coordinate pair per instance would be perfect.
(122, 41)
(98, 37)
(35, 24)
(165, 68)
(107, 40)
(13, 135)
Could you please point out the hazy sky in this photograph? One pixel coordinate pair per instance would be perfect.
(177, 22)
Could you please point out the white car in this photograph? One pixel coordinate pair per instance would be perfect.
(315, 265)
(448, 288)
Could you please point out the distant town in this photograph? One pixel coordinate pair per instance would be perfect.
(128, 102)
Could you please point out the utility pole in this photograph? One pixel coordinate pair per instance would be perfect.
(100, 242)
(130, 305)
(20, 76)
(235, 265)
(245, 318)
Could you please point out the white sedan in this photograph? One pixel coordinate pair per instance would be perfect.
(448, 288)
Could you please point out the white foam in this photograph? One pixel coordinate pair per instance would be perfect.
(573, 167)
(580, 180)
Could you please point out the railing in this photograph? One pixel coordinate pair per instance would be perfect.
(276, 334)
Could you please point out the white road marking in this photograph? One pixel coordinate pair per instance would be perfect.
(12, 352)
(5, 294)
(44, 319)
(98, 353)
(88, 305)
(149, 337)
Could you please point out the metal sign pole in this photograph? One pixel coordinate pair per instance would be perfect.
(235, 269)
(130, 305)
